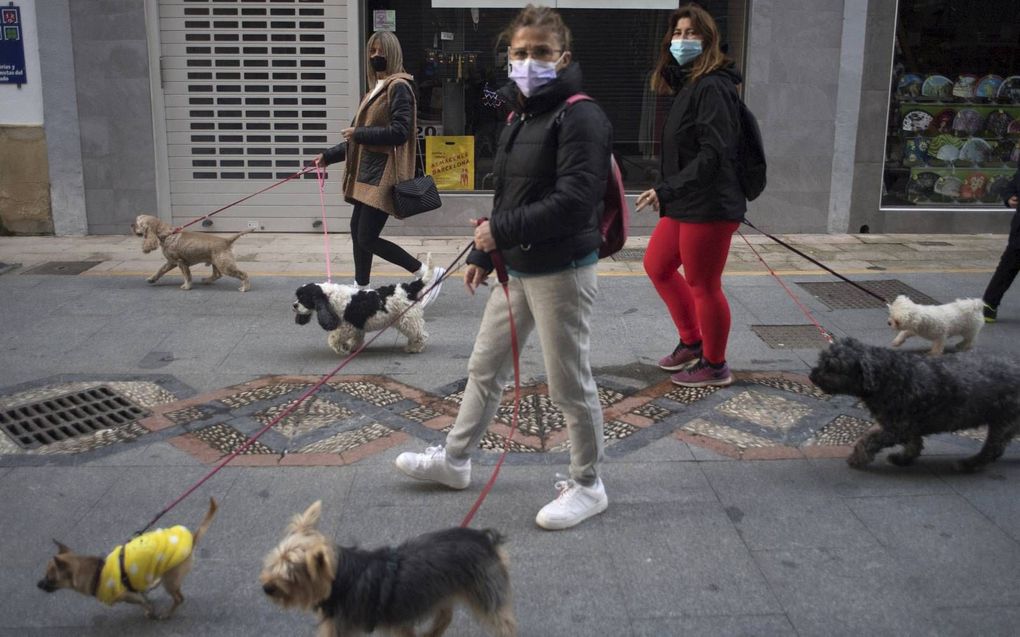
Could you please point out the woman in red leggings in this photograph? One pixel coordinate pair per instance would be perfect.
(699, 199)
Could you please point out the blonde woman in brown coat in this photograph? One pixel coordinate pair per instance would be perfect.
(379, 148)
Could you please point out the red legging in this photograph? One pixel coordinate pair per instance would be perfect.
(696, 303)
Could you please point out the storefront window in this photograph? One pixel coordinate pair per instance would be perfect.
(954, 119)
(459, 64)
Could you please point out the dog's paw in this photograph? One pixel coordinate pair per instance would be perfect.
(186, 286)
(244, 287)
(967, 465)
(415, 348)
(151, 279)
(901, 460)
(858, 459)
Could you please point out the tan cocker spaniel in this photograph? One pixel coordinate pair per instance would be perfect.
(184, 249)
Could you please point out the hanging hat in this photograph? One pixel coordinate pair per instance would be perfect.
(921, 186)
(948, 186)
(909, 86)
(938, 87)
(915, 151)
(1009, 91)
(987, 87)
(973, 187)
(968, 121)
(942, 122)
(916, 121)
(996, 190)
(997, 123)
(976, 150)
(964, 86)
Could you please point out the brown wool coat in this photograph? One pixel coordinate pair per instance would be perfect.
(375, 111)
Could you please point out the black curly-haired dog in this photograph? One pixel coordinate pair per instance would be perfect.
(910, 396)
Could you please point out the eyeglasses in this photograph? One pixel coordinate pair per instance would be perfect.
(539, 52)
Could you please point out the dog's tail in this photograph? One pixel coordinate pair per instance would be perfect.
(973, 305)
(240, 234)
(206, 521)
(426, 280)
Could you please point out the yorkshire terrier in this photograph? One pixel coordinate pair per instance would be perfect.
(356, 591)
(131, 569)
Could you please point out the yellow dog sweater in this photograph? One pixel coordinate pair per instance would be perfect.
(146, 558)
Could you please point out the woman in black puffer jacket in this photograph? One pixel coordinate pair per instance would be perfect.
(699, 198)
(550, 177)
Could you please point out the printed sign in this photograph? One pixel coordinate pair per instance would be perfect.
(384, 20)
(12, 46)
(429, 127)
(450, 159)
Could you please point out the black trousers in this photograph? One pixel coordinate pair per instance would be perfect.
(1009, 265)
(366, 225)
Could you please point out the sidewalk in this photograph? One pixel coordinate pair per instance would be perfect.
(732, 511)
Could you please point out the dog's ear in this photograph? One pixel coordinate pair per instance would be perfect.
(61, 548)
(320, 565)
(307, 520)
(324, 312)
(149, 241)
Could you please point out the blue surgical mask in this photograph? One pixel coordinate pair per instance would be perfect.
(529, 74)
(685, 50)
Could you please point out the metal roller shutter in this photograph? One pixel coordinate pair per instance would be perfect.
(253, 89)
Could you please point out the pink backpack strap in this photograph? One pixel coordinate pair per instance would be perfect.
(573, 99)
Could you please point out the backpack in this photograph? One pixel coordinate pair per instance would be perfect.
(615, 221)
(750, 155)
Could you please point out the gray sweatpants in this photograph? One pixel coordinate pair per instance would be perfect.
(558, 306)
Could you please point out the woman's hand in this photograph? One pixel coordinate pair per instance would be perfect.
(348, 133)
(319, 161)
(483, 237)
(473, 277)
(646, 198)
(1013, 201)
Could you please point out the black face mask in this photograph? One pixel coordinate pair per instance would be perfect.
(378, 63)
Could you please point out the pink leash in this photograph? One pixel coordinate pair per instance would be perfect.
(320, 174)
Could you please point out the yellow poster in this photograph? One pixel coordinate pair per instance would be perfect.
(450, 159)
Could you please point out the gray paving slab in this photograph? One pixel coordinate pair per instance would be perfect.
(846, 591)
(777, 625)
(992, 492)
(953, 552)
(140, 454)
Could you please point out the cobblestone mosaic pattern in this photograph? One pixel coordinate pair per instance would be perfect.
(760, 415)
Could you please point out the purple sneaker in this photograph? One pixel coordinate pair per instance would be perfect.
(681, 358)
(702, 374)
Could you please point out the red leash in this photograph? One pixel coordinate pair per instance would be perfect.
(501, 275)
(322, 381)
(825, 333)
(243, 199)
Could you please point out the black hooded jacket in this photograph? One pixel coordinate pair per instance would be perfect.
(699, 145)
(549, 178)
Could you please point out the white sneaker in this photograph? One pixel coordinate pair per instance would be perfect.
(434, 467)
(574, 505)
(434, 292)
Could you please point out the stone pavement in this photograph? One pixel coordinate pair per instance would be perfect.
(732, 511)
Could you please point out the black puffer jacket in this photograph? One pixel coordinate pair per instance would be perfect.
(550, 179)
(401, 121)
(699, 144)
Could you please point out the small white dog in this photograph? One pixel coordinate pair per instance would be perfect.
(347, 312)
(937, 323)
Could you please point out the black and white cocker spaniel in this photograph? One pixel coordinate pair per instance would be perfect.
(347, 312)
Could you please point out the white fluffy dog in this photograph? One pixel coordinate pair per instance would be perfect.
(937, 323)
(347, 312)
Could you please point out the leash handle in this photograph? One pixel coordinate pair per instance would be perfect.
(498, 264)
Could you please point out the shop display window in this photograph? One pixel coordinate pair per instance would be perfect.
(459, 65)
(954, 119)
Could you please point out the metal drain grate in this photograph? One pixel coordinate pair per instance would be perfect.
(62, 267)
(69, 416)
(841, 295)
(790, 336)
(629, 254)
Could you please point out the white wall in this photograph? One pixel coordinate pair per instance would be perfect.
(24, 106)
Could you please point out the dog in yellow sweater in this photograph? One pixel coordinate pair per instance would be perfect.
(132, 569)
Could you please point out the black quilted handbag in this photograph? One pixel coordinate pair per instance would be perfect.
(416, 195)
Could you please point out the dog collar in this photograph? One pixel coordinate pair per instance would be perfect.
(124, 579)
(98, 577)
